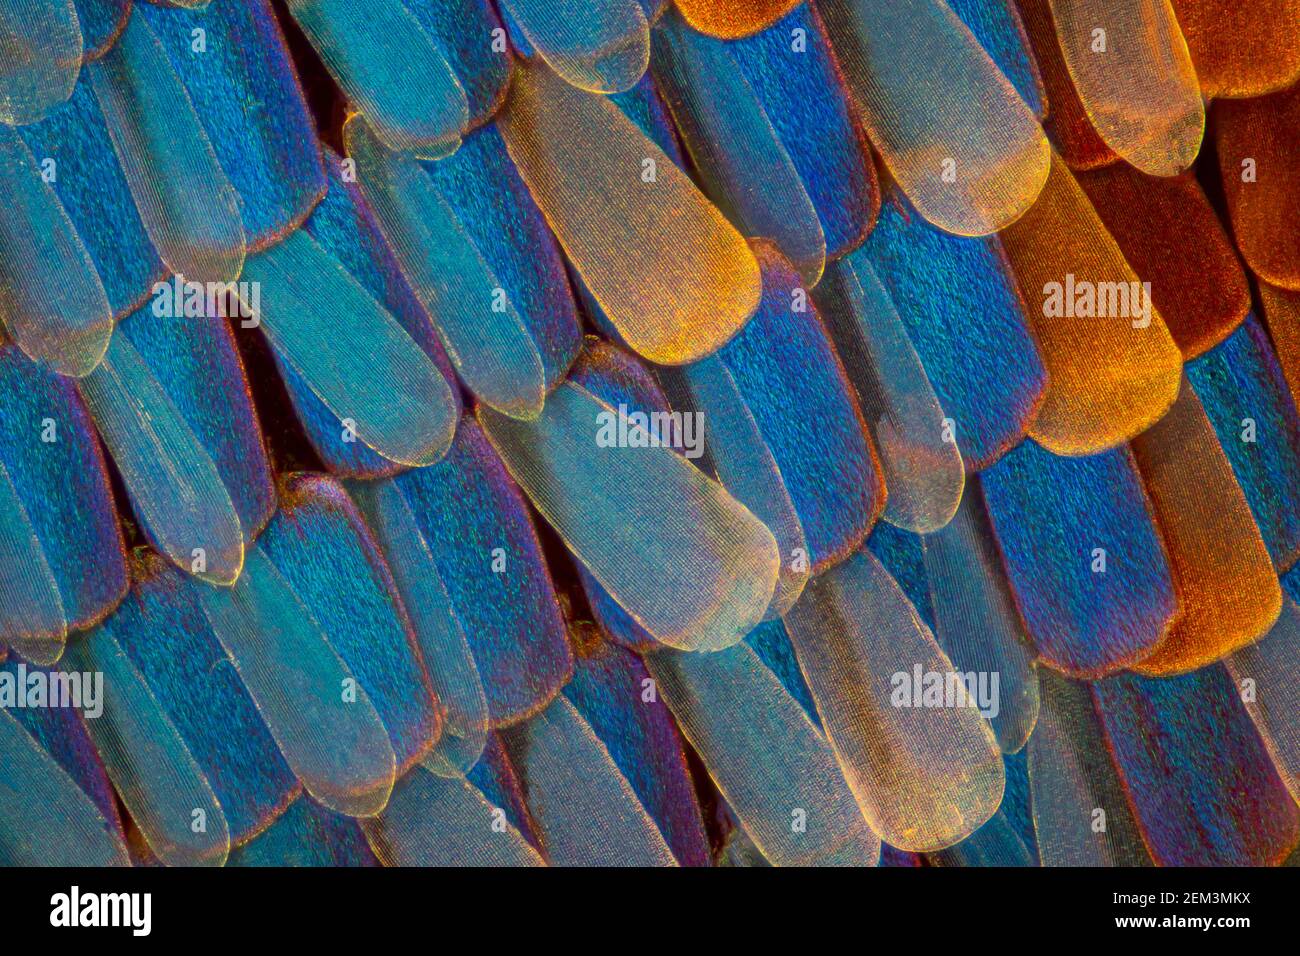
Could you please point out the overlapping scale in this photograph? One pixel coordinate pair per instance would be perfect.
(52, 303)
(163, 788)
(102, 22)
(613, 692)
(1134, 75)
(1244, 392)
(45, 818)
(673, 276)
(162, 631)
(976, 621)
(187, 202)
(1165, 735)
(925, 777)
(77, 155)
(232, 59)
(1171, 237)
(304, 290)
(43, 47)
(600, 45)
(1210, 536)
(792, 70)
(965, 318)
(56, 468)
(734, 146)
(345, 227)
(1239, 49)
(476, 524)
(439, 634)
(963, 145)
(1084, 556)
(1082, 815)
(1263, 674)
(321, 546)
(1256, 140)
(1111, 363)
(922, 467)
(322, 719)
(307, 835)
(730, 707)
(391, 68)
(174, 484)
(996, 24)
(445, 821)
(1071, 131)
(483, 68)
(704, 576)
(733, 19)
(625, 264)
(484, 332)
(585, 811)
(745, 466)
(827, 461)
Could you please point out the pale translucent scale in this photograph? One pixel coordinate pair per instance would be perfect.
(926, 770)
(173, 481)
(323, 721)
(689, 562)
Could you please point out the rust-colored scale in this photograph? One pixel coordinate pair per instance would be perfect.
(1242, 49)
(1110, 376)
(733, 19)
(1067, 122)
(1171, 237)
(1227, 587)
(1282, 315)
(1259, 156)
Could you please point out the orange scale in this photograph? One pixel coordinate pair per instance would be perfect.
(733, 19)
(1242, 49)
(1227, 587)
(1172, 238)
(1259, 156)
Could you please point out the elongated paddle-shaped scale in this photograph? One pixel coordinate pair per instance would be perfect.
(1081, 813)
(925, 777)
(960, 142)
(338, 747)
(1112, 366)
(730, 707)
(977, 622)
(338, 338)
(735, 148)
(598, 45)
(444, 821)
(745, 467)
(585, 810)
(732, 19)
(1228, 592)
(1134, 74)
(923, 469)
(43, 48)
(673, 276)
(1265, 675)
(1241, 49)
(32, 619)
(174, 484)
(482, 330)
(162, 786)
(688, 561)
(189, 207)
(441, 637)
(45, 818)
(51, 299)
(391, 68)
